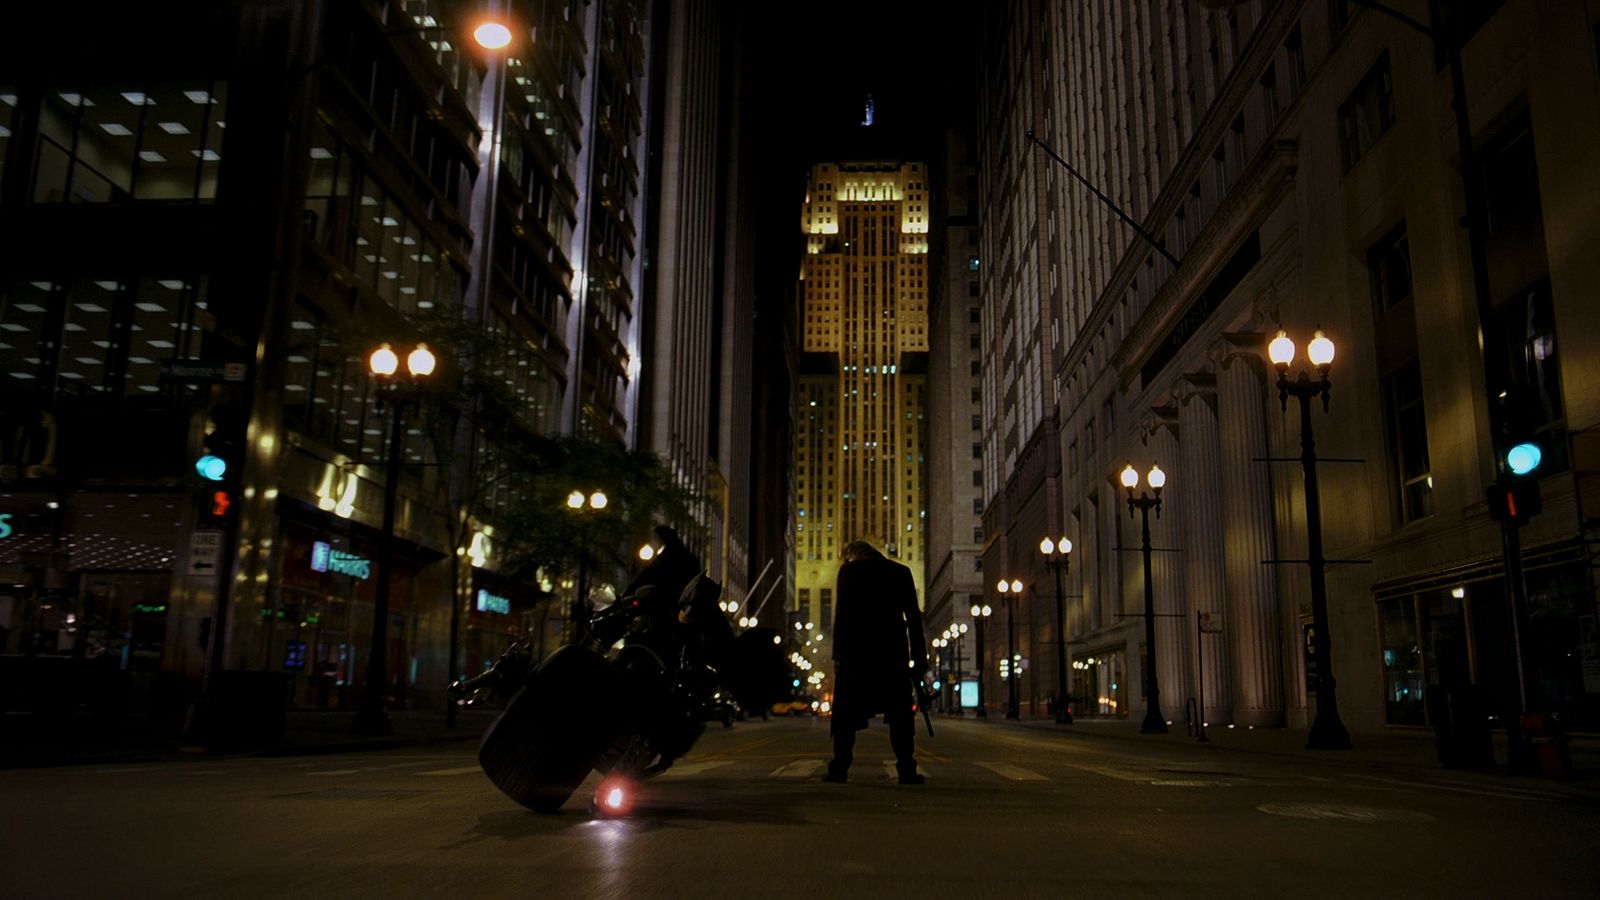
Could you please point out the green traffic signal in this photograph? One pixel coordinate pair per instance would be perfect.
(1524, 458)
(211, 467)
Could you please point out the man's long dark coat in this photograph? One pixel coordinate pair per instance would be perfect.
(877, 634)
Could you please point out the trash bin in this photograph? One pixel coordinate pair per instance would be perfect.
(1549, 744)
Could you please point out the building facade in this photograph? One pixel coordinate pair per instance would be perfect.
(213, 213)
(699, 344)
(1298, 165)
(955, 580)
(862, 387)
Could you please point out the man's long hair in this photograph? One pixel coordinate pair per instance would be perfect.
(858, 550)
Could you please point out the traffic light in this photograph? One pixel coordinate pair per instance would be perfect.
(220, 461)
(223, 444)
(1520, 446)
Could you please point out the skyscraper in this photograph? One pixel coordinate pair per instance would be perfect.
(862, 387)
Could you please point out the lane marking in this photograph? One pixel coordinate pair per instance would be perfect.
(695, 768)
(742, 747)
(119, 771)
(1006, 770)
(1501, 793)
(800, 768)
(336, 772)
(1108, 772)
(464, 770)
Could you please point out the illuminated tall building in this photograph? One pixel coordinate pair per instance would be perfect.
(860, 428)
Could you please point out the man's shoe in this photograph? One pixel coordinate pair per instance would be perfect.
(836, 774)
(911, 776)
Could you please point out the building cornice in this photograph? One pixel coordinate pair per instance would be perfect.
(1257, 55)
(1262, 186)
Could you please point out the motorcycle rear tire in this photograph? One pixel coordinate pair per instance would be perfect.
(546, 742)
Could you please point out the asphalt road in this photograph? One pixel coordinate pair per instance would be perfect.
(1008, 811)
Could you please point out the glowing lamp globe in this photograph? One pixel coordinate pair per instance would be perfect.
(384, 361)
(1320, 350)
(492, 35)
(1281, 350)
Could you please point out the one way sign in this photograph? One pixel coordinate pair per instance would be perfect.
(205, 551)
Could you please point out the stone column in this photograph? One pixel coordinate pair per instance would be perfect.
(1199, 478)
(1253, 623)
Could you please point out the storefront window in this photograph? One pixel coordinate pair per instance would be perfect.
(1098, 685)
(1402, 662)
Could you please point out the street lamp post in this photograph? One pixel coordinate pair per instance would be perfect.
(1327, 731)
(1011, 592)
(1059, 554)
(1154, 721)
(578, 502)
(495, 38)
(396, 390)
(980, 615)
(957, 632)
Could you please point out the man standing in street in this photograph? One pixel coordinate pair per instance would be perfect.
(878, 654)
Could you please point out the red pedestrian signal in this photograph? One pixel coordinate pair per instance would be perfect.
(220, 503)
(1514, 501)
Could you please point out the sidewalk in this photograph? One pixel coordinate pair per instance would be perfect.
(1402, 750)
(32, 741)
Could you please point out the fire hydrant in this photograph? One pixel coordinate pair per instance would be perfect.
(1549, 744)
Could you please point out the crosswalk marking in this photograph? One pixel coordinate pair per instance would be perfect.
(695, 768)
(336, 772)
(1015, 773)
(464, 770)
(800, 768)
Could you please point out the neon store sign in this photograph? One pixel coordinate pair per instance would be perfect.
(326, 559)
(493, 603)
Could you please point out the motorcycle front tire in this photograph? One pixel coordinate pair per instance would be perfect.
(546, 742)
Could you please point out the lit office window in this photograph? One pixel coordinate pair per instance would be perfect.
(86, 337)
(114, 143)
(24, 310)
(165, 322)
(8, 108)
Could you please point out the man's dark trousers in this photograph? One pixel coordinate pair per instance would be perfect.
(902, 734)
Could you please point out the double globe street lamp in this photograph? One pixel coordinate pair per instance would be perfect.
(579, 503)
(395, 390)
(1144, 502)
(957, 632)
(980, 615)
(1327, 730)
(1058, 553)
(1011, 592)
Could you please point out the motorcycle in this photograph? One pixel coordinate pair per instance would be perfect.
(625, 699)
